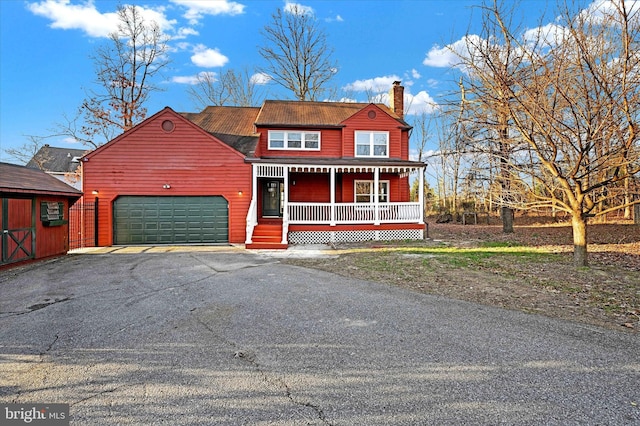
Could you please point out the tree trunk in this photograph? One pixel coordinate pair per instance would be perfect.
(507, 220)
(579, 225)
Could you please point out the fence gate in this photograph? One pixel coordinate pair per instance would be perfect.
(83, 225)
(17, 242)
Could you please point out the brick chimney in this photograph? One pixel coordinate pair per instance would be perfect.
(396, 99)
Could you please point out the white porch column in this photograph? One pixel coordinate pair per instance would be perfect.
(376, 195)
(421, 195)
(285, 207)
(252, 214)
(333, 196)
(254, 184)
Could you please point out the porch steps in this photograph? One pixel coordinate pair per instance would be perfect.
(267, 236)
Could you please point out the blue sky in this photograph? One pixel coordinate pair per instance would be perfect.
(45, 49)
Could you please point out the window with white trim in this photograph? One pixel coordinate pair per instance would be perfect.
(279, 139)
(372, 144)
(364, 191)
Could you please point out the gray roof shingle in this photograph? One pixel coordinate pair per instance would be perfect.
(56, 160)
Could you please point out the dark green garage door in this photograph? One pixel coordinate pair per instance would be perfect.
(170, 220)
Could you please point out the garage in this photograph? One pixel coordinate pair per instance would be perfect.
(170, 220)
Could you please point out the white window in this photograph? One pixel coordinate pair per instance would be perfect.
(364, 191)
(372, 144)
(294, 140)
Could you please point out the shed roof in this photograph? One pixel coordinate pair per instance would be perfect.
(23, 180)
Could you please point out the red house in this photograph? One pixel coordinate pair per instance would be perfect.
(287, 172)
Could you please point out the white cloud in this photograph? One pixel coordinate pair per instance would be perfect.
(260, 78)
(195, 79)
(417, 104)
(599, 9)
(415, 74)
(550, 35)
(208, 58)
(185, 32)
(85, 17)
(441, 57)
(457, 53)
(297, 8)
(337, 18)
(196, 9)
(70, 140)
(376, 85)
(432, 82)
(349, 100)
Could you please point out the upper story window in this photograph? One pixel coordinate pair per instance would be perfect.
(294, 140)
(372, 144)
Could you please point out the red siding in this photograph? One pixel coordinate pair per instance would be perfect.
(315, 187)
(188, 159)
(398, 145)
(51, 240)
(338, 143)
(330, 144)
(19, 213)
(309, 188)
(398, 187)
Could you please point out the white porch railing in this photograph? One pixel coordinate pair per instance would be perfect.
(353, 213)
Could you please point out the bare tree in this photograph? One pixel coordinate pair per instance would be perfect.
(28, 151)
(230, 88)
(571, 96)
(125, 69)
(297, 54)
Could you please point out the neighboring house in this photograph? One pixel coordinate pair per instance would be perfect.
(62, 163)
(34, 212)
(287, 172)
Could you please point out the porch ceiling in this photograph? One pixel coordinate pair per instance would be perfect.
(344, 162)
(341, 165)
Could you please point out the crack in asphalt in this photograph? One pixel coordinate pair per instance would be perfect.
(50, 345)
(46, 303)
(250, 358)
(110, 390)
(34, 307)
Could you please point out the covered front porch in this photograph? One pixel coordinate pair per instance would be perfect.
(304, 202)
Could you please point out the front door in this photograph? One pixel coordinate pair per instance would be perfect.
(272, 198)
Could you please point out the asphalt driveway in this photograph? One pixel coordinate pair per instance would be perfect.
(205, 335)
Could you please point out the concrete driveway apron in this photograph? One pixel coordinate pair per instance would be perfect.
(206, 335)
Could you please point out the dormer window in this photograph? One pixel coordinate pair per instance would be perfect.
(372, 144)
(294, 140)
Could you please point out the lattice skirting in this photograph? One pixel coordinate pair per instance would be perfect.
(324, 237)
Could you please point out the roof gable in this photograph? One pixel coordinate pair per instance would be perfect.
(382, 112)
(167, 111)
